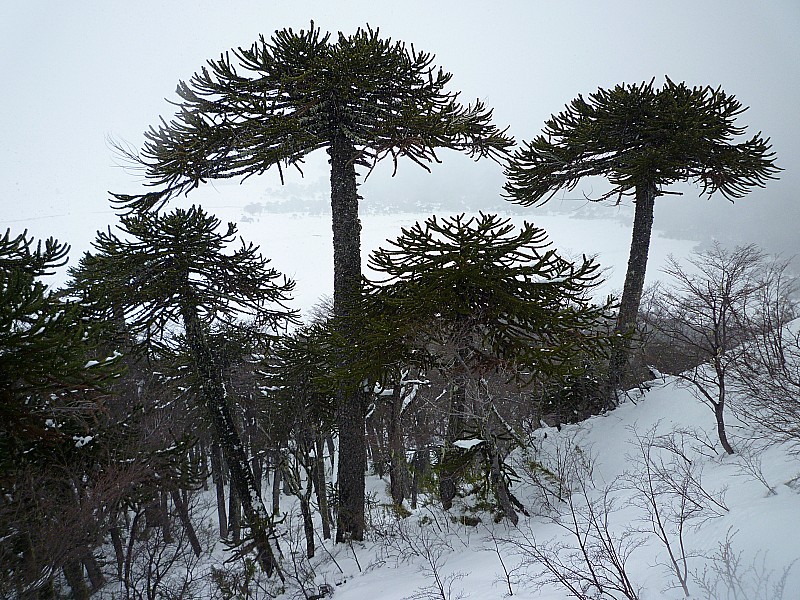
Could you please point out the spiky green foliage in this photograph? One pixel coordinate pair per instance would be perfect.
(297, 377)
(280, 99)
(165, 261)
(507, 293)
(52, 372)
(172, 271)
(640, 135)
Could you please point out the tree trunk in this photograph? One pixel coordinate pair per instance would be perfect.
(229, 440)
(119, 553)
(308, 524)
(93, 570)
(319, 482)
(234, 515)
(448, 477)
(217, 474)
(183, 514)
(632, 291)
(277, 482)
(420, 469)
(499, 483)
(719, 407)
(398, 469)
(374, 438)
(350, 413)
(73, 573)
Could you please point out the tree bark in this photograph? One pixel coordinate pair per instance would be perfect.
(217, 474)
(119, 553)
(277, 482)
(214, 394)
(499, 483)
(448, 476)
(73, 573)
(420, 467)
(350, 413)
(183, 514)
(719, 407)
(398, 468)
(234, 515)
(93, 570)
(319, 482)
(632, 291)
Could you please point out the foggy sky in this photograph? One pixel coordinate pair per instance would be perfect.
(75, 73)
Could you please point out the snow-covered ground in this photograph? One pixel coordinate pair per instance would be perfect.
(753, 502)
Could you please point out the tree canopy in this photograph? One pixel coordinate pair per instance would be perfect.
(513, 295)
(638, 135)
(284, 97)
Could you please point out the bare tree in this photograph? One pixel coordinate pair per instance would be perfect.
(767, 376)
(709, 313)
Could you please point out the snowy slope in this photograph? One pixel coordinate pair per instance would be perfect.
(763, 525)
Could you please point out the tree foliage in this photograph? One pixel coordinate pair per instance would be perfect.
(165, 261)
(278, 100)
(638, 135)
(53, 373)
(518, 300)
(172, 272)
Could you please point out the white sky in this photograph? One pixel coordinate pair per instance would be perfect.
(74, 73)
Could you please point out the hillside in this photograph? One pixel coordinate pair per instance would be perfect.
(752, 504)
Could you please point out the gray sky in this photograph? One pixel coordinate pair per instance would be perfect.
(74, 73)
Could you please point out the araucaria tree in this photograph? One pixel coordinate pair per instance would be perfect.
(360, 97)
(642, 139)
(171, 271)
(55, 448)
(473, 296)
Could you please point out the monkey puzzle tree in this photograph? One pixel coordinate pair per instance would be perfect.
(473, 296)
(54, 434)
(170, 270)
(642, 139)
(360, 97)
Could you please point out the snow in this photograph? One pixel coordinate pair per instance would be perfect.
(82, 440)
(761, 525)
(756, 514)
(467, 444)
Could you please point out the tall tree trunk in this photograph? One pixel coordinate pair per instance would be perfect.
(234, 515)
(448, 473)
(93, 570)
(350, 413)
(228, 437)
(398, 469)
(319, 482)
(632, 291)
(277, 482)
(420, 468)
(218, 475)
(182, 508)
(374, 439)
(119, 553)
(73, 573)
